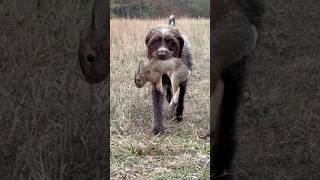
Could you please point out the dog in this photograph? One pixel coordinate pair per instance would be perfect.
(163, 43)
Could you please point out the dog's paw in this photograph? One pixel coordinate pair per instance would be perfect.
(179, 118)
(156, 131)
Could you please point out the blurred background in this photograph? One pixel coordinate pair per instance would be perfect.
(52, 122)
(280, 117)
(159, 8)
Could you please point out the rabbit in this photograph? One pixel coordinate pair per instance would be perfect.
(153, 70)
(93, 56)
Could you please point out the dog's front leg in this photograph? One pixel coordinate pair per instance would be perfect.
(157, 98)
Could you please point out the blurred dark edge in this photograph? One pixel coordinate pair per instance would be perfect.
(279, 118)
(53, 124)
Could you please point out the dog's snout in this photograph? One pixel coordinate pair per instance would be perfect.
(162, 53)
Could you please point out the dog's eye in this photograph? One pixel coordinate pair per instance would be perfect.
(155, 44)
(169, 40)
(171, 45)
(158, 39)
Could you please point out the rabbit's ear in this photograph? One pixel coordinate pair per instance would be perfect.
(139, 77)
(99, 17)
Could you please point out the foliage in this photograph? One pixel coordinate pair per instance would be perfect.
(159, 8)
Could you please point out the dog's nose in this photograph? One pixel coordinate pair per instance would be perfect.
(162, 53)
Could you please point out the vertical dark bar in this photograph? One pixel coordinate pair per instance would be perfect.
(108, 146)
(274, 134)
(234, 34)
(94, 59)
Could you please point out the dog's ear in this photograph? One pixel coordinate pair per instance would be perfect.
(148, 37)
(181, 43)
(147, 41)
(181, 46)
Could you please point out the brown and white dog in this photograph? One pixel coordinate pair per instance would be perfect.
(164, 42)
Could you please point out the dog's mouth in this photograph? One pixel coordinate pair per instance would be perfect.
(165, 56)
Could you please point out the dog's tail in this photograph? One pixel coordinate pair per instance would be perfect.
(172, 20)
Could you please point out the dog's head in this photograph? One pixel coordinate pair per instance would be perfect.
(164, 42)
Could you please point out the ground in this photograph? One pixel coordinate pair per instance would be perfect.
(280, 118)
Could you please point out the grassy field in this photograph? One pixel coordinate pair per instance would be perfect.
(180, 152)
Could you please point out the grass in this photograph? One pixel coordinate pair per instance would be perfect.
(180, 152)
(279, 122)
(52, 121)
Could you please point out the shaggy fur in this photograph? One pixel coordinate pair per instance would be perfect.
(234, 37)
(164, 42)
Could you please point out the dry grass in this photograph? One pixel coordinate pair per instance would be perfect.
(135, 152)
(51, 120)
(279, 123)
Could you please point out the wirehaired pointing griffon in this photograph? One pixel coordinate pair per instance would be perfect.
(165, 42)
